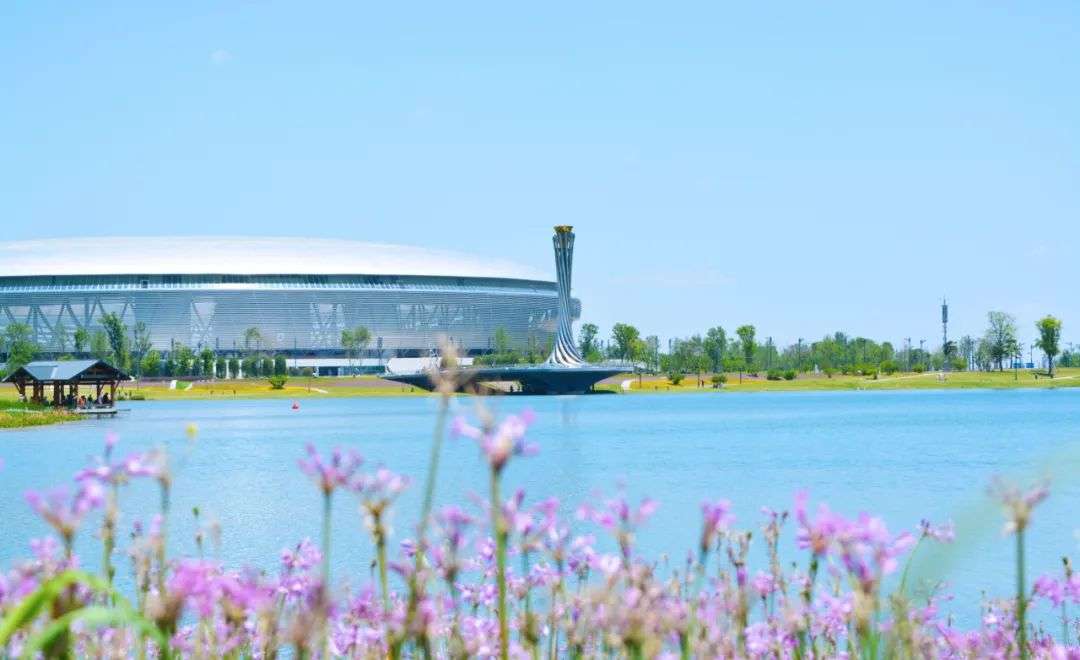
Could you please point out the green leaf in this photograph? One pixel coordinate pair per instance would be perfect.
(41, 599)
(95, 616)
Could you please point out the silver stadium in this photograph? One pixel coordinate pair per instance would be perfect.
(298, 293)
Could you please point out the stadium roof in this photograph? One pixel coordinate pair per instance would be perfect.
(202, 255)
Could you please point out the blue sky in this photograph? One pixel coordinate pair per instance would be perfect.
(805, 167)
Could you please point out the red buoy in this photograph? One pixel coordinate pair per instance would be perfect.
(296, 405)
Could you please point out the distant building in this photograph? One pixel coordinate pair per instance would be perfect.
(298, 293)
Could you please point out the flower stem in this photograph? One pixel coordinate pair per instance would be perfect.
(326, 539)
(380, 554)
(499, 529)
(425, 513)
(1021, 596)
(325, 623)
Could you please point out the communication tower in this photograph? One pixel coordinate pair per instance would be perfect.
(945, 333)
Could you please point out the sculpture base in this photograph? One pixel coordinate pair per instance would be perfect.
(534, 379)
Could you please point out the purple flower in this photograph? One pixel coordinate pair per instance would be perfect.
(300, 558)
(144, 465)
(869, 551)
(65, 515)
(330, 474)
(716, 517)
(453, 521)
(944, 533)
(763, 584)
(383, 485)
(499, 442)
(819, 534)
(195, 582)
(1050, 589)
(1018, 504)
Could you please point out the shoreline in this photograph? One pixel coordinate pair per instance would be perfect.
(371, 386)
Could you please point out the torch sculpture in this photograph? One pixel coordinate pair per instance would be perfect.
(565, 352)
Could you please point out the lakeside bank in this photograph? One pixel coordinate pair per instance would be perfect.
(1023, 379)
(15, 414)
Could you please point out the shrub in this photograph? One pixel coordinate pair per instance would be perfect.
(279, 365)
(675, 378)
(829, 371)
(789, 374)
(718, 380)
(266, 366)
(774, 374)
(277, 381)
(889, 367)
(234, 368)
(919, 368)
(250, 366)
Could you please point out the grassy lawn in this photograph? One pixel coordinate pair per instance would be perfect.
(256, 389)
(297, 388)
(899, 381)
(14, 414)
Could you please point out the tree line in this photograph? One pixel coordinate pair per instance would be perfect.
(131, 351)
(718, 351)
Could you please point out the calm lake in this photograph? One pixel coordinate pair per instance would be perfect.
(903, 455)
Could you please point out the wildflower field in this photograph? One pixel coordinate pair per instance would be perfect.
(508, 575)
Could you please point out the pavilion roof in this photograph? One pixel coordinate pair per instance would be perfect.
(67, 371)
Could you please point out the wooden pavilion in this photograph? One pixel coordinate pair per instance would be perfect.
(64, 379)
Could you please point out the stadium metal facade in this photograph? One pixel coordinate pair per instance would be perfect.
(299, 293)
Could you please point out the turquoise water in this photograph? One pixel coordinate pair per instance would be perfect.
(903, 455)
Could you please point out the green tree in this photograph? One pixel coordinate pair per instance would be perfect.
(715, 345)
(250, 366)
(185, 360)
(587, 342)
(652, 352)
(688, 356)
(116, 331)
(1001, 337)
(501, 341)
(99, 345)
(966, 348)
(150, 364)
(281, 367)
(140, 344)
(206, 360)
(81, 339)
(627, 338)
(253, 338)
(354, 342)
(221, 367)
(266, 366)
(746, 338)
(1049, 341)
(234, 368)
(60, 336)
(19, 344)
